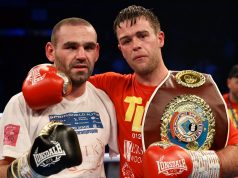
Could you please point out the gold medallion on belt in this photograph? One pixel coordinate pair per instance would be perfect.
(188, 121)
(190, 78)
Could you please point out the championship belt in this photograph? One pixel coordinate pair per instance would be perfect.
(188, 110)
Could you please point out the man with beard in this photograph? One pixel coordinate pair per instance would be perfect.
(89, 111)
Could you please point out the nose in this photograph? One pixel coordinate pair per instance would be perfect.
(80, 54)
(136, 44)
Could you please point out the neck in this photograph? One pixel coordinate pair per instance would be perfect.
(233, 98)
(154, 78)
(77, 91)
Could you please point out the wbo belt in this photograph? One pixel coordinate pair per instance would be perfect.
(187, 110)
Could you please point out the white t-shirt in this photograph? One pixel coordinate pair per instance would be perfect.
(19, 126)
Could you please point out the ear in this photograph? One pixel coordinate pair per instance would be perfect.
(50, 51)
(97, 51)
(119, 47)
(160, 36)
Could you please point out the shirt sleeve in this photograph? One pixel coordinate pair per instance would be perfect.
(14, 137)
(233, 135)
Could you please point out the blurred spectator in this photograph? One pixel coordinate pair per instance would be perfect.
(231, 98)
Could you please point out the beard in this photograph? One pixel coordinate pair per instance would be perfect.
(146, 68)
(77, 78)
(80, 77)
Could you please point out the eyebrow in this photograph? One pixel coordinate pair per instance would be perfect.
(68, 43)
(122, 38)
(90, 43)
(138, 32)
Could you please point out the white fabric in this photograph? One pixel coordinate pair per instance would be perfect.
(92, 145)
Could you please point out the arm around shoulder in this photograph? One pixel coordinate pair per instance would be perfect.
(228, 156)
(228, 160)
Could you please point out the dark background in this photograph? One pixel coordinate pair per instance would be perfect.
(202, 36)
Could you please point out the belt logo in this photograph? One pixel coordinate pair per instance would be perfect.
(188, 121)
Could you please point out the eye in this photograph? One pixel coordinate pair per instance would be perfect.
(71, 46)
(142, 35)
(90, 47)
(125, 41)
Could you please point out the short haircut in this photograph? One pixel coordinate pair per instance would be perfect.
(233, 72)
(132, 13)
(68, 21)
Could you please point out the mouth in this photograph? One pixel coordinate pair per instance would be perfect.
(80, 67)
(139, 57)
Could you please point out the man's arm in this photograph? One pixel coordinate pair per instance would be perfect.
(54, 137)
(229, 161)
(4, 164)
(36, 86)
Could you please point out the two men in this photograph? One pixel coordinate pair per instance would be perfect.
(140, 40)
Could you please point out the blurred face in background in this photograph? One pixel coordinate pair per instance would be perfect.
(232, 84)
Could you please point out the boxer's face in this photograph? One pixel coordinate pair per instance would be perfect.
(76, 52)
(233, 87)
(140, 45)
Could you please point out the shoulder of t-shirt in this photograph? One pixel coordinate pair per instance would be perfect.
(109, 78)
(111, 82)
(110, 75)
